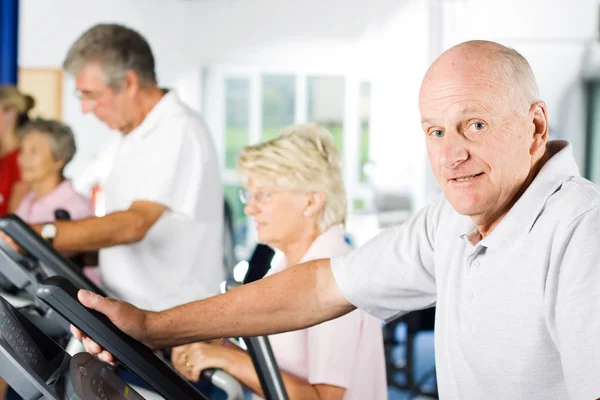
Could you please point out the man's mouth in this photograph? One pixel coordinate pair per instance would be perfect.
(467, 178)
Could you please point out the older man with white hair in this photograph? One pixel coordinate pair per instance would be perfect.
(509, 256)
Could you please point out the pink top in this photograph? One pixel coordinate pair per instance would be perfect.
(345, 352)
(63, 197)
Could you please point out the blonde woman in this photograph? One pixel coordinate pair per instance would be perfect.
(294, 191)
(14, 114)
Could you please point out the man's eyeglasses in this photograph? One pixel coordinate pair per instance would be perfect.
(93, 96)
(88, 97)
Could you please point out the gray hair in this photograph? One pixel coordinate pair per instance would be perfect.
(302, 157)
(517, 72)
(117, 49)
(62, 140)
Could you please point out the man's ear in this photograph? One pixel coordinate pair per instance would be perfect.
(539, 120)
(132, 83)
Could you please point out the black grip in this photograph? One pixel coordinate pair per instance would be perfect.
(33, 244)
(61, 295)
(207, 374)
(62, 215)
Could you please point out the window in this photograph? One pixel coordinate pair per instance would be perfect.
(325, 97)
(592, 145)
(237, 112)
(278, 104)
(230, 192)
(365, 120)
(249, 105)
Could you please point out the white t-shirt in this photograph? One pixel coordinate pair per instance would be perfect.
(169, 159)
(517, 313)
(345, 352)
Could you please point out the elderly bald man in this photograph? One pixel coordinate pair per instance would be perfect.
(510, 256)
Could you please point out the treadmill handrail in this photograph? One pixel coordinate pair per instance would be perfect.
(38, 368)
(61, 295)
(227, 383)
(11, 366)
(26, 378)
(263, 359)
(32, 243)
(19, 276)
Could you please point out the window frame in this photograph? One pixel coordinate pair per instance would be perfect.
(214, 110)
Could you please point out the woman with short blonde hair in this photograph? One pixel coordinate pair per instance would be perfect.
(293, 188)
(300, 158)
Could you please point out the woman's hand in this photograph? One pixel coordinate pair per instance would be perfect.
(191, 359)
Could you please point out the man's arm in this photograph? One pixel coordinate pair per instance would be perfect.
(118, 228)
(302, 296)
(299, 297)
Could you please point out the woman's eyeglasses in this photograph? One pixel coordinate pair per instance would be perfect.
(260, 197)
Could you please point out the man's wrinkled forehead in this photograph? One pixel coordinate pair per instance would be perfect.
(463, 89)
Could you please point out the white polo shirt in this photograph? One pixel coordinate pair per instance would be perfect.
(169, 159)
(518, 313)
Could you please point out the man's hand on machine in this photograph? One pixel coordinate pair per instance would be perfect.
(125, 316)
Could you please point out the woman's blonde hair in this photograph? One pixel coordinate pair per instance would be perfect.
(11, 97)
(302, 157)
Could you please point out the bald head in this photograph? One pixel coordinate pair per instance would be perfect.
(507, 73)
(485, 128)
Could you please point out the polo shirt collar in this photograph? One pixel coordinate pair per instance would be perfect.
(321, 247)
(522, 216)
(163, 106)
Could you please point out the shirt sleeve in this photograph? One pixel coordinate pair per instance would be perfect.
(332, 350)
(393, 273)
(171, 169)
(572, 303)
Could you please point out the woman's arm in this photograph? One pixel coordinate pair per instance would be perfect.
(190, 360)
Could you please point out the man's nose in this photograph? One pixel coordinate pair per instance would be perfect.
(87, 105)
(453, 150)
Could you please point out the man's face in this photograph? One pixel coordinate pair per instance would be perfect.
(479, 140)
(110, 106)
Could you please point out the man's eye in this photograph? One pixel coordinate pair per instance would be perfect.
(437, 133)
(478, 126)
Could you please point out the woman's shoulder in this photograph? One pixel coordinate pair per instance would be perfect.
(331, 243)
(75, 202)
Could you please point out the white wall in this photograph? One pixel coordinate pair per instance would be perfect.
(376, 38)
(393, 41)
